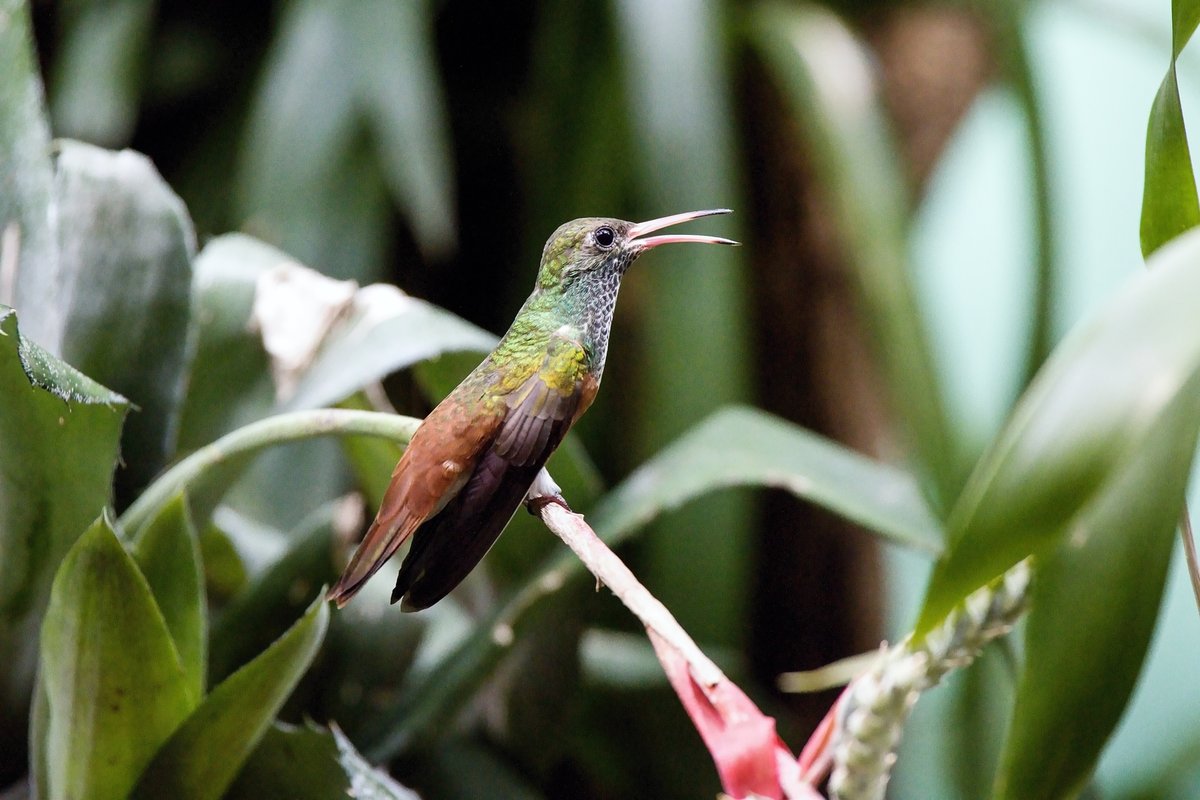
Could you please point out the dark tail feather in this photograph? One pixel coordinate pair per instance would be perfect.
(447, 547)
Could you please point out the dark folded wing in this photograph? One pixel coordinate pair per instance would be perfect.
(540, 412)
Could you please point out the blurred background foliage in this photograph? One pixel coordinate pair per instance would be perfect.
(930, 197)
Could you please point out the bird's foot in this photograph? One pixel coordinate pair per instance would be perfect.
(542, 493)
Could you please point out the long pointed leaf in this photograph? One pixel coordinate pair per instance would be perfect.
(168, 554)
(114, 683)
(1170, 203)
(745, 447)
(1078, 430)
(1084, 649)
(399, 87)
(201, 760)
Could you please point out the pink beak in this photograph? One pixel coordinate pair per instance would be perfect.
(642, 228)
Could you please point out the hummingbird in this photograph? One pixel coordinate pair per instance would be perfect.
(478, 453)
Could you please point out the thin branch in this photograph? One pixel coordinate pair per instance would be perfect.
(1189, 551)
(612, 572)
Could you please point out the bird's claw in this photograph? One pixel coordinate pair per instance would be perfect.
(542, 493)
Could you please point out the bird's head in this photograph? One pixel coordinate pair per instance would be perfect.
(598, 247)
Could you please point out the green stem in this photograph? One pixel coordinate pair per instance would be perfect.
(257, 436)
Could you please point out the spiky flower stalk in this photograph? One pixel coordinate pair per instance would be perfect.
(876, 705)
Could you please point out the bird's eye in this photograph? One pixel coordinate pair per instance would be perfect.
(604, 237)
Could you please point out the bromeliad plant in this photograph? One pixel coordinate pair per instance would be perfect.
(171, 505)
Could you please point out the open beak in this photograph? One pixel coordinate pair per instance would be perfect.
(642, 228)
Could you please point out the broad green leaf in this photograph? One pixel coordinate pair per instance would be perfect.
(59, 434)
(1170, 204)
(679, 97)
(1084, 648)
(29, 280)
(379, 330)
(114, 683)
(265, 608)
(125, 250)
(230, 380)
(337, 80)
(1080, 429)
(745, 447)
(826, 76)
(201, 760)
(99, 66)
(168, 555)
(312, 763)
(231, 385)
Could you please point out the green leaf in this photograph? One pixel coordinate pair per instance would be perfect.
(1170, 204)
(337, 81)
(231, 385)
(99, 67)
(125, 253)
(292, 761)
(745, 447)
(27, 233)
(679, 97)
(168, 554)
(385, 331)
(230, 380)
(225, 572)
(113, 680)
(1080, 429)
(1084, 649)
(402, 98)
(60, 432)
(367, 782)
(201, 760)
(826, 76)
(263, 610)
(465, 769)
(312, 763)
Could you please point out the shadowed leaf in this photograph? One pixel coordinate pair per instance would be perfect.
(114, 683)
(125, 253)
(60, 434)
(168, 554)
(201, 760)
